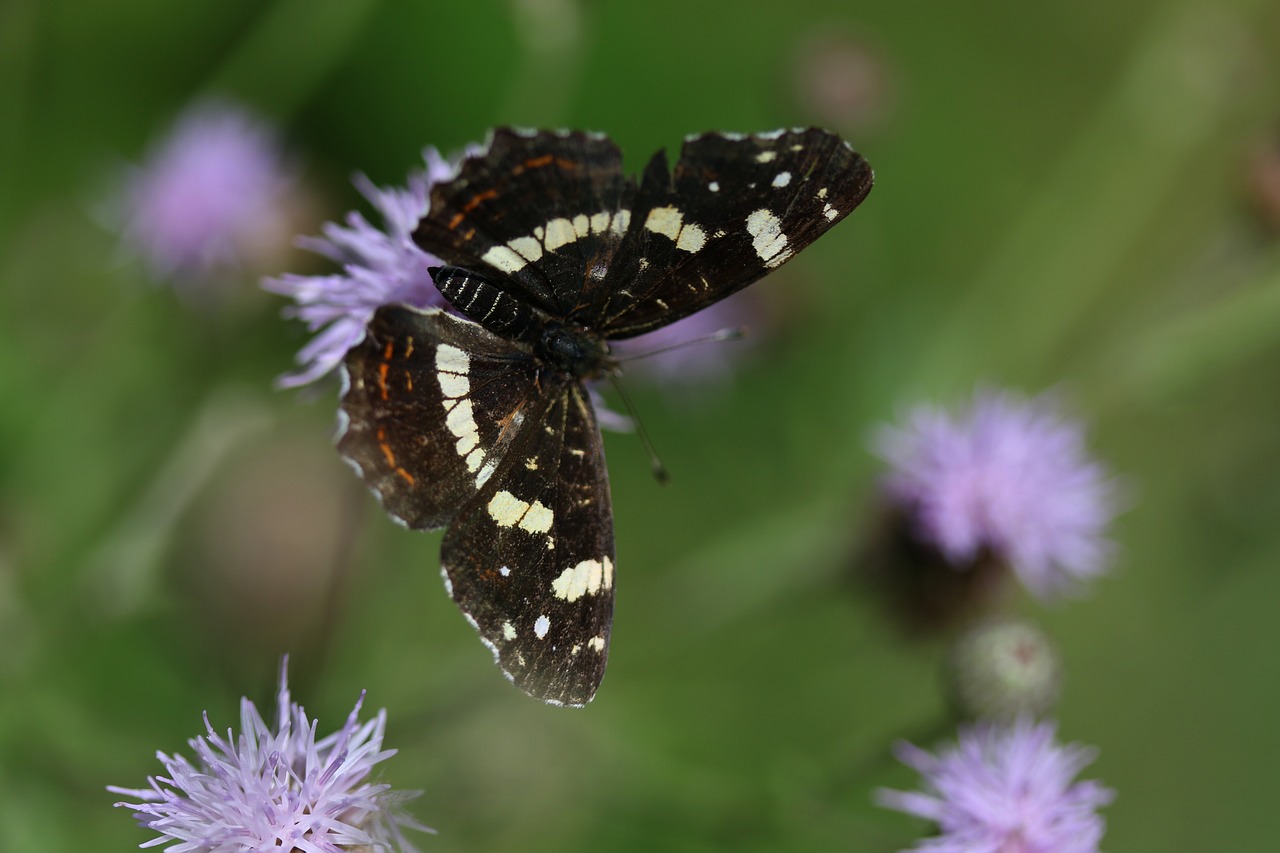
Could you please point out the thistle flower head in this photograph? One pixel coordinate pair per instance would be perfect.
(1008, 477)
(1004, 790)
(379, 266)
(210, 194)
(276, 788)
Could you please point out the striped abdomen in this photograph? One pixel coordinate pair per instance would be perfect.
(496, 310)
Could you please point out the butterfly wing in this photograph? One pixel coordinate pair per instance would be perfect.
(537, 212)
(432, 403)
(529, 559)
(736, 208)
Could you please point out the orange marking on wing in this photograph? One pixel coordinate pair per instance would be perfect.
(566, 164)
(472, 203)
(505, 423)
(386, 448)
(533, 163)
(408, 347)
(408, 380)
(382, 378)
(389, 350)
(407, 476)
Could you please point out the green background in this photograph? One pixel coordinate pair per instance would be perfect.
(1065, 200)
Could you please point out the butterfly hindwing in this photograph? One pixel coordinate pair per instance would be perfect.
(735, 208)
(529, 560)
(431, 405)
(539, 212)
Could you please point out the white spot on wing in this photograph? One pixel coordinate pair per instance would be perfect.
(766, 156)
(460, 420)
(596, 644)
(541, 626)
(526, 247)
(767, 237)
(507, 509)
(586, 578)
(559, 233)
(467, 443)
(453, 385)
(665, 221)
(485, 472)
(692, 238)
(621, 222)
(782, 179)
(504, 259)
(505, 571)
(669, 222)
(714, 186)
(829, 212)
(453, 360)
(538, 519)
(508, 631)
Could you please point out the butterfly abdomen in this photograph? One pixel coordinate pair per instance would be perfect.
(495, 309)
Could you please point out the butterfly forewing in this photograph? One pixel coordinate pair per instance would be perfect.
(431, 405)
(541, 211)
(530, 558)
(736, 208)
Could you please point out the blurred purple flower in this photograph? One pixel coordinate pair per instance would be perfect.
(1004, 790)
(691, 366)
(379, 266)
(212, 193)
(276, 789)
(1010, 477)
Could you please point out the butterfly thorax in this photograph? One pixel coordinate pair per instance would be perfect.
(567, 349)
(573, 351)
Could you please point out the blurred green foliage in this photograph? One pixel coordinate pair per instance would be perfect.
(1065, 198)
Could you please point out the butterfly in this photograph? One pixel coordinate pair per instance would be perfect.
(478, 420)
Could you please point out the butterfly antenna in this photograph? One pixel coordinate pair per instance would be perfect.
(659, 470)
(733, 333)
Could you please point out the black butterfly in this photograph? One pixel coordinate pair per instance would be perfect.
(483, 425)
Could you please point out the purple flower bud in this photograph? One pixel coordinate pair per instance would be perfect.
(1002, 669)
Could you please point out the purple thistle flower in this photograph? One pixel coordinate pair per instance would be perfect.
(1008, 477)
(379, 266)
(1004, 790)
(278, 789)
(210, 194)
